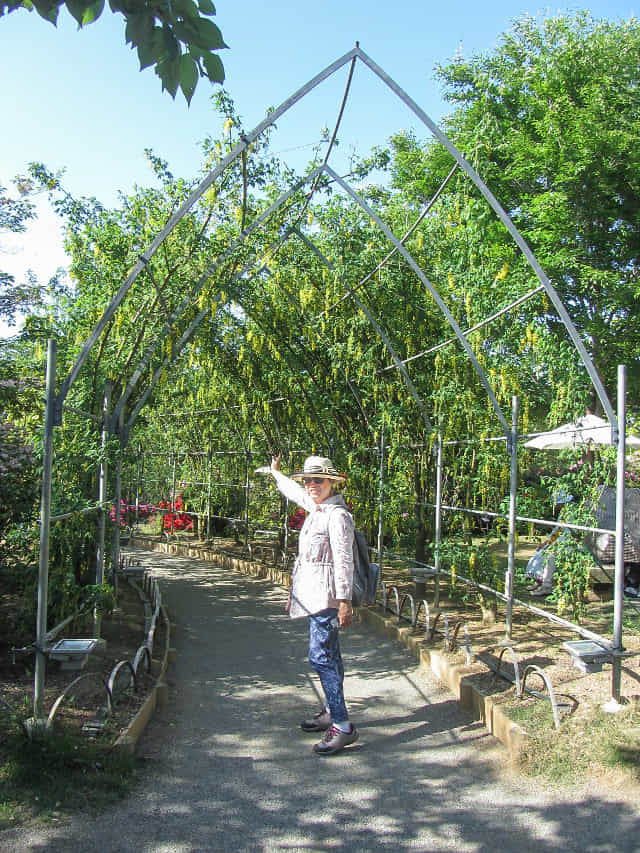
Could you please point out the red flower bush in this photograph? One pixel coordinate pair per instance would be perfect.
(296, 519)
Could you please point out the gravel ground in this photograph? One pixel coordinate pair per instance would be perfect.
(226, 767)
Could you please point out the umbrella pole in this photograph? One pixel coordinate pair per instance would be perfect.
(619, 569)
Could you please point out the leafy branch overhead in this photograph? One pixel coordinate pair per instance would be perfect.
(176, 37)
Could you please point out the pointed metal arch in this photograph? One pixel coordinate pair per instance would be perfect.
(241, 147)
(438, 299)
(380, 331)
(204, 185)
(510, 226)
(188, 300)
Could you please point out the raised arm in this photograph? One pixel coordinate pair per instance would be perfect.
(289, 488)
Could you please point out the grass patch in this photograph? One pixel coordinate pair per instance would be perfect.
(57, 772)
(583, 744)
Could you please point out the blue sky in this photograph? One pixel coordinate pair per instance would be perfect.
(76, 100)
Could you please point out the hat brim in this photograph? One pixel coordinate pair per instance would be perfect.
(307, 475)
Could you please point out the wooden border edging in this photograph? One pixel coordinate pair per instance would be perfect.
(457, 679)
(455, 676)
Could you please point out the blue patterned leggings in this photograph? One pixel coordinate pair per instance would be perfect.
(326, 660)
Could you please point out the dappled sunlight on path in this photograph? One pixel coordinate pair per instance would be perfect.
(227, 768)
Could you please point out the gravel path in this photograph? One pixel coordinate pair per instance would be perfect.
(228, 769)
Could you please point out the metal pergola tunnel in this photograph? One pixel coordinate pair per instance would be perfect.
(163, 338)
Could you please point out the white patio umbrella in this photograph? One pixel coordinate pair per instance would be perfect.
(589, 429)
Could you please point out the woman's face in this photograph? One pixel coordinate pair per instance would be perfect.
(318, 488)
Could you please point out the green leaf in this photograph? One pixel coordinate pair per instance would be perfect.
(169, 72)
(214, 67)
(188, 76)
(48, 9)
(205, 34)
(77, 8)
(139, 29)
(93, 12)
(206, 7)
(186, 9)
(152, 50)
(171, 43)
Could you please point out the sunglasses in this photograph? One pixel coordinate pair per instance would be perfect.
(317, 480)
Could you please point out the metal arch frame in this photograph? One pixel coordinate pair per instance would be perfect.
(55, 403)
(206, 275)
(423, 278)
(380, 331)
(176, 350)
(243, 144)
(510, 226)
(204, 185)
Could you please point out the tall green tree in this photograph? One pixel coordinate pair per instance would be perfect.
(550, 120)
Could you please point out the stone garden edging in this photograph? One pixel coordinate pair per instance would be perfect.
(457, 677)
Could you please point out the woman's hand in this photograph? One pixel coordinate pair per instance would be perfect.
(275, 462)
(345, 614)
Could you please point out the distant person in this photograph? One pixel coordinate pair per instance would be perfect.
(321, 584)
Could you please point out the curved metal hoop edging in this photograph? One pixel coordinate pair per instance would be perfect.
(454, 636)
(394, 590)
(516, 668)
(408, 597)
(423, 605)
(382, 590)
(543, 675)
(123, 664)
(84, 677)
(142, 653)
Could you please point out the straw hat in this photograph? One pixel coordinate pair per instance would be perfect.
(319, 466)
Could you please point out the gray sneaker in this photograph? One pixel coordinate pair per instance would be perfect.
(335, 740)
(319, 723)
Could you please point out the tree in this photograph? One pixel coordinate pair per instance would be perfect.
(550, 121)
(177, 37)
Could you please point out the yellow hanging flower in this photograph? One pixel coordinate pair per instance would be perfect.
(503, 272)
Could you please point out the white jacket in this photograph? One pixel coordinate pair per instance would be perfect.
(323, 571)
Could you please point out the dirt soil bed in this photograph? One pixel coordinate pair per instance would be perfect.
(124, 632)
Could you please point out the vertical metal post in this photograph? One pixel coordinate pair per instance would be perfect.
(117, 499)
(508, 579)
(102, 486)
(102, 498)
(45, 515)
(138, 455)
(438, 521)
(285, 536)
(173, 489)
(619, 565)
(246, 492)
(209, 472)
(381, 502)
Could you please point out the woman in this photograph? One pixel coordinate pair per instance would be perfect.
(321, 589)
